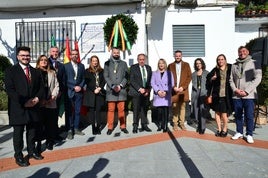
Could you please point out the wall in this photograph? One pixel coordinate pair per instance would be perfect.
(219, 33)
(91, 14)
(219, 29)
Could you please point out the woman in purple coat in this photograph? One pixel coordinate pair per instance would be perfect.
(162, 83)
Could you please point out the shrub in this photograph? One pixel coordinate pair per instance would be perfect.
(4, 63)
(3, 101)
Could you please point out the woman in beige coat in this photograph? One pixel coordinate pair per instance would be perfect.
(48, 104)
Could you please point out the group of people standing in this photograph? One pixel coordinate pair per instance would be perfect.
(36, 95)
(233, 88)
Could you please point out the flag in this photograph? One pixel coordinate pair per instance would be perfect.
(53, 41)
(67, 52)
(77, 48)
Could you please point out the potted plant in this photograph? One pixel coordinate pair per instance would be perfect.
(260, 9)
(266, 8)
(252, 8)
(240, 9)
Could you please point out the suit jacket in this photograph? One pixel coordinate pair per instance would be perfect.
(136, 80)
(166, 83)
(19, 92)
(90, 98)
(70, 78)
(185, 79)
(118, 77)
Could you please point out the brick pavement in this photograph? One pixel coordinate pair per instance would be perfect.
(110, 146)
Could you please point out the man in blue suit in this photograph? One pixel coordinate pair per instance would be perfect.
(75, 82)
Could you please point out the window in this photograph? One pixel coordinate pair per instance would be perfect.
(39, 36)
(190, 39)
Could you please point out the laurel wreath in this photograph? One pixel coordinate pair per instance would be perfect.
(129, 25)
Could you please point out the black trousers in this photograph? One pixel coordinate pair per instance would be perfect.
(162, 115)
(140, 108)
(50, 123)
(18, 138)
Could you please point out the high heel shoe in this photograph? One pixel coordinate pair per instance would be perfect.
(224, 134)
(218, 133)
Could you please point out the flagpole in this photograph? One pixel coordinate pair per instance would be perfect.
(82, 32)
(93, 46)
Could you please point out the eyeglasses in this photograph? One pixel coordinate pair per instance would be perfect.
(24, 55)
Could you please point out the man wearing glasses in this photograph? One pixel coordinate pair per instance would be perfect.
(25, 88)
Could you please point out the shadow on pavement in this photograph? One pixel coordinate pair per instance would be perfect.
(44, 172)
(189, 165)
(99, 165)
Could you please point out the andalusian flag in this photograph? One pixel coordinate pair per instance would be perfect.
(77, 48)
(53, 41)
(67, 51)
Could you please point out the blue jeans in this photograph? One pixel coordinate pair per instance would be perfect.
(244, 110)
(74, 110)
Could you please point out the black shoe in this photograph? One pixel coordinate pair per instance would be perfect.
(202, 131)
(22, 162)
(218, 134)
(124, 130)
(78, 132)
(146, 128)
(98, 131)
(109, 132)
(70, 135)
(224, 134)
(189, 122)
(135, 129)
(94, 132)
(158, 129)
(50, 145)
(36, 156)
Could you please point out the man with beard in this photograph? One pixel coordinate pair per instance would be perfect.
(116, 76)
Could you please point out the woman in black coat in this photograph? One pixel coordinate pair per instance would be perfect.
(219, 87)
(94, 96)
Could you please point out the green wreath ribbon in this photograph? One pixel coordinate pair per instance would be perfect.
(120, 31)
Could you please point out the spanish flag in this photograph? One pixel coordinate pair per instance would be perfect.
(77, 48)
(67, 51)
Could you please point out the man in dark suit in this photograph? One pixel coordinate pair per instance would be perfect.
(75, 80)
(62, 99)
(25, 89)
(140, 86)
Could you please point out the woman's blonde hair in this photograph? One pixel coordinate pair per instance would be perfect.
(164, 61)
(38, 62)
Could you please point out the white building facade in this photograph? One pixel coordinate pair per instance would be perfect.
(156, 19)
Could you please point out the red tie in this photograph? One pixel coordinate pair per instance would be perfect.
(28, 74)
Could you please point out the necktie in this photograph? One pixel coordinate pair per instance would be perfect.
(144, 79)
(28, 75)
